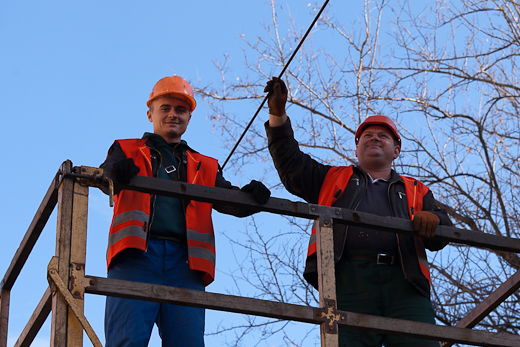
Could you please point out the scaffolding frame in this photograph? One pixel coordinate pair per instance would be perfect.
(65, 296)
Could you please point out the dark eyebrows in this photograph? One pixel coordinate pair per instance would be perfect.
(379, 133)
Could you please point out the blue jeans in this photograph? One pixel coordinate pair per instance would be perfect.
(129, 323)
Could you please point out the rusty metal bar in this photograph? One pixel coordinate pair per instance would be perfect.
(33, 232)
(265, 308)
(326, 280)
(36, 321)
(4, 315)
(60, 308)
(78, 250)
(76, 309)
(489, 304)
(310, 211)
(72, 196)
(22, 253)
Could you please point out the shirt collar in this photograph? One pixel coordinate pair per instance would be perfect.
(376, 180)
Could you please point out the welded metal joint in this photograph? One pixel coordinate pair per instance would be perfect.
(94, 177)
(76, 287)
(326, 213)
(54, 278)
(330, 316)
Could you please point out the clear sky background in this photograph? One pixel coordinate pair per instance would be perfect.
(74, 76)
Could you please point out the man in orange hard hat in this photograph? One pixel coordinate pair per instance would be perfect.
(158, 239)
(377, 272)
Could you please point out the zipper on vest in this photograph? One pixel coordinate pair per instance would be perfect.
(397, 235)
(152, 198)
(355, 208)
(182, 162)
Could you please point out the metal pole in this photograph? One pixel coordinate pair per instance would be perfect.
(279, 76)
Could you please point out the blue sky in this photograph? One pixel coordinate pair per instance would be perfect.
(74, 76)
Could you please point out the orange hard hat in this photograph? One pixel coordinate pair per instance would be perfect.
(378, 120)
(175, 87)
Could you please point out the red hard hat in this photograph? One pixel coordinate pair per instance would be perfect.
(378, 120)
(175, 87)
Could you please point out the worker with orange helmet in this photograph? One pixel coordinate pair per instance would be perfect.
(158, 239)
(377, 272)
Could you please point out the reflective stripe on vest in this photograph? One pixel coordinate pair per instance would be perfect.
(200, 238)
(131, 211)
(334, 185)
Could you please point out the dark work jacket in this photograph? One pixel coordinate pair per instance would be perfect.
(115, 154)
(303, 176)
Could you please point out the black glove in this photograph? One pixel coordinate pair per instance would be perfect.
(276, 97)
(124, 170)
(260, 192)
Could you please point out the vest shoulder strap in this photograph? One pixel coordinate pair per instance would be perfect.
(334, 184)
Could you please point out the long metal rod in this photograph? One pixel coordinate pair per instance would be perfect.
(32, 234)
(279, 76)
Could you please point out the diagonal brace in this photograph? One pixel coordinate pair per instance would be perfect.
(57, 283)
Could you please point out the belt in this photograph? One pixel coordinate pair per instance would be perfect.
(379, 259)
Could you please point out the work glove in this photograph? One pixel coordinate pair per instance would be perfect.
(276, 96)
(260, 192)
(425, 223)
(124, 170)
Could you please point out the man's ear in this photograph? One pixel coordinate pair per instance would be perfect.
(149, 114)
(355, 152)
(397, 151)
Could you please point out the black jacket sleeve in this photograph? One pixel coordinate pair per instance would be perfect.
(430, 205)
(300, 174)
(221, 182)
(115, 154)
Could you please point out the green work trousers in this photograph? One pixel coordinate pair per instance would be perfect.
(381, 290)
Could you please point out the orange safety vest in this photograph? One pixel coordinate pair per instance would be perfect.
(131, 219)
(334, 185)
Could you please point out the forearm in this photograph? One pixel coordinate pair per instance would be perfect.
(300, 174)
(114, 155)
(276, 121)
(221, 182)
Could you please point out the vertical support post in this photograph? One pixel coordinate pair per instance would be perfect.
(4, 316)
(70, 251)
(77, 259)
(326, 278)
(63, 232)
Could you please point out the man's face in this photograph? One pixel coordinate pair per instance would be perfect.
(170, 118)
(376, 147)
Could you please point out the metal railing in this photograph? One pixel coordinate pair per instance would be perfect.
(68, 282)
